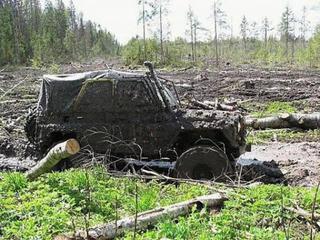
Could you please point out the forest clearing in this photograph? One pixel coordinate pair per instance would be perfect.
(294, 151)
(152, 119)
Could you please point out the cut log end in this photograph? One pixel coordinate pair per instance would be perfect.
(55, 155)
(72, 146)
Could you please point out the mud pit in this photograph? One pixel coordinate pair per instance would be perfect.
(299, 161)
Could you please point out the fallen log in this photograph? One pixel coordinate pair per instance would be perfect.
(54, 156)
(146, 219)
(295, 120)
(201, 105)
(225, 107)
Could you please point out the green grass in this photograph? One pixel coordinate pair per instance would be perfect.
(59, 202)
(274, 108)
(283, 135)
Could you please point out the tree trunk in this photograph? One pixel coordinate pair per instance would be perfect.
(149, 218)
(191, 36)
(304, 121)
(265, 38)
(144, 30)
(161, 34)
(216, 34)
(195, 43)
(54, 156)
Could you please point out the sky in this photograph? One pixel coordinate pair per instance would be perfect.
(121, 16)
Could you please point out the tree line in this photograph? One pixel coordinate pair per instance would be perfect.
(262, 42)
(52, 33)
(31, 33)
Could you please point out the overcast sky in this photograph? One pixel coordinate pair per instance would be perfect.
(120, 16)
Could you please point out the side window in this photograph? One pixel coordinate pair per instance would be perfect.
(132, 95)
(95, 96)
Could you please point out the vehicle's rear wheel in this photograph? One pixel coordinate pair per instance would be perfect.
(202, 162)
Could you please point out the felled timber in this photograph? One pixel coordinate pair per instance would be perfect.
(55, 155)
(146, 219)
(295, 120)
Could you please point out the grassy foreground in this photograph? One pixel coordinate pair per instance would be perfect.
(61, 202)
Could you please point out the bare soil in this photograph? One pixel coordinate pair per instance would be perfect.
(247, 84)
(300, 162)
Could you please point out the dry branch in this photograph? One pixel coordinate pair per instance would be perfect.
(54, 156)
(304, 121)
(149, 218)
(303, 213)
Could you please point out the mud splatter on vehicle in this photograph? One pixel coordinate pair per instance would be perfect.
(140, 109)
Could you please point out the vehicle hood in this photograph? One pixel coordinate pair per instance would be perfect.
(210, 118)
(230, 124)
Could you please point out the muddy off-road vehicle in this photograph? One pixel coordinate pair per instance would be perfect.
(126, 115)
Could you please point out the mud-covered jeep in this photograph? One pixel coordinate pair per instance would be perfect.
(123, 113)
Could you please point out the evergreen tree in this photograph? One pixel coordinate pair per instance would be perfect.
(190, 16)
(160, 10)
(53, 33)
(219, 17)
(266, 28)
(244, 28)
(287, 28)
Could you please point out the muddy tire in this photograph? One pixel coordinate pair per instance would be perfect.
(202, 162)
(30, 126)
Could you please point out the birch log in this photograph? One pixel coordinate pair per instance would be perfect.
(54, 156)
(146, 219)
(304, 121)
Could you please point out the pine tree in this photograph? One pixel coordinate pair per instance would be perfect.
(190, 16)
(266, 28)
(219, 17)
(52, 34)
(160, 10)
(304, 25)
(244, 28)
(287, 28)
(6, 34)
